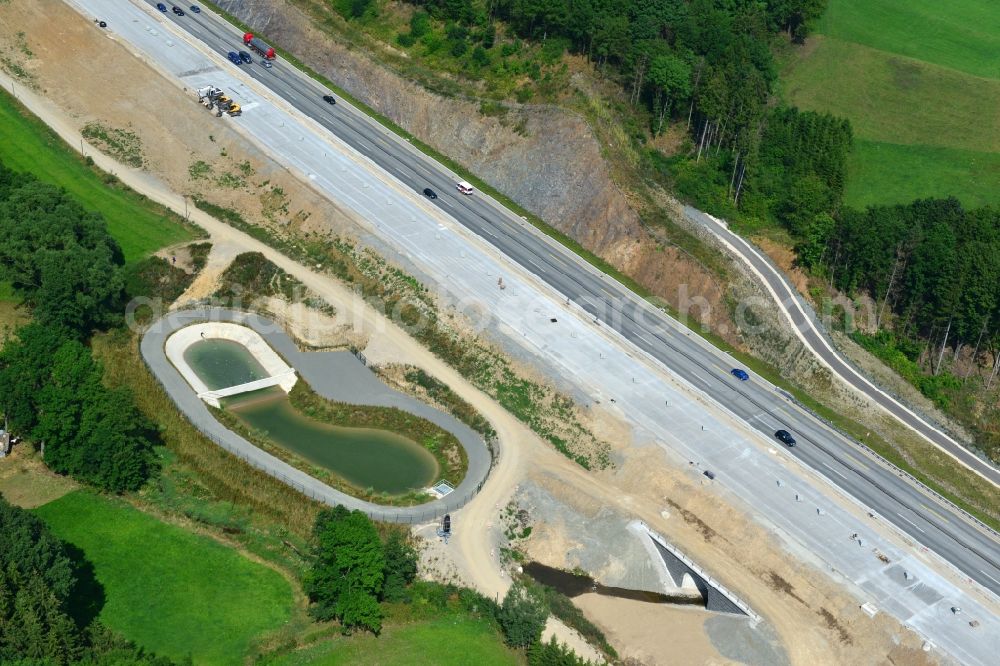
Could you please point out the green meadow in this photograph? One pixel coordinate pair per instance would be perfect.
(171, 591)
(139, 225)
(920, 83)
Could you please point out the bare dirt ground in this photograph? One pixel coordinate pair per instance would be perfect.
(25, 481)
(796, 599)
(652, 633)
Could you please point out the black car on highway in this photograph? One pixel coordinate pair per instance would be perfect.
(429, 193)
(785, 437)
(245, 57)
(177, 10)
(329, 99)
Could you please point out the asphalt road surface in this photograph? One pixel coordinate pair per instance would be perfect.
(803, 318)
(929, 520)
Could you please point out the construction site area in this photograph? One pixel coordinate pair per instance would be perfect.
(803, 566)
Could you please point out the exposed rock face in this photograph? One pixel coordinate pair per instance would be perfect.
(546, 159)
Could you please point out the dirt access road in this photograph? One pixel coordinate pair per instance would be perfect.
(796, 598)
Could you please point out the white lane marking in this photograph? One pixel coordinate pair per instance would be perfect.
(834, 471)
(537, 267)
(910, 522)
(760, 417)
(990, 577)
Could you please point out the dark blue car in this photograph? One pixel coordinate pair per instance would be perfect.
(196, 9)
(234, 57)
(739, 374)
(785, 437)
(162, 7)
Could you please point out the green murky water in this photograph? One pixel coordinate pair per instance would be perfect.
(368, 458)
(223, 363)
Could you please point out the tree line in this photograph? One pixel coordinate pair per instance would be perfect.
(930, 264)
(66, 268)
(354, 572)
(47, 602)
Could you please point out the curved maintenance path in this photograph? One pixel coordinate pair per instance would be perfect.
(805, 323)
(336, 376)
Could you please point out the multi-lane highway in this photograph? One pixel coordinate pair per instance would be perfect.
(930, 521)
(803, 318)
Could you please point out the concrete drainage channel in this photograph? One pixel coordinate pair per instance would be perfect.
(336, 376)
(717, 597)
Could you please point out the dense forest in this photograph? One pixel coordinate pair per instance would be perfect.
(69, 272)
(931, 265)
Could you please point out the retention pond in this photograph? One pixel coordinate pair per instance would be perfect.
(366, 458)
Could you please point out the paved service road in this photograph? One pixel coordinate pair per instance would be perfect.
(803, 318)
(938, 525)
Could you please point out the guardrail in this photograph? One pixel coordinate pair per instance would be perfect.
(900, 472)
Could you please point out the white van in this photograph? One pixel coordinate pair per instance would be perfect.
(464, 187)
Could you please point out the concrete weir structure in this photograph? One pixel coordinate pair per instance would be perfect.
(717, 597)
(279, 373)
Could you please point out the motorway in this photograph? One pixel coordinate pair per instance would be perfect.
(803, 318)
(930, 521)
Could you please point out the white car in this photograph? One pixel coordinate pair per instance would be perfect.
(464, 187)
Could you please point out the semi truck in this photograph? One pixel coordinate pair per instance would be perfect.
(259, 45)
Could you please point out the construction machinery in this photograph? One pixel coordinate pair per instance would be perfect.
(214, 99)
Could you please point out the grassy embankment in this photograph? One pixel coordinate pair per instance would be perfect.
(168, 589)
(920, 83)
(139, 225)
(450, 639)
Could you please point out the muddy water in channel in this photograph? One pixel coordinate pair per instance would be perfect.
(573, 585)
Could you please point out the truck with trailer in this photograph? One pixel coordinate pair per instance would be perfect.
(259, 45)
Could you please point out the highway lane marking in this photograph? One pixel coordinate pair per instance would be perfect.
(760, 417)
(927, 508)
(537, 267)
(834, 471)
(990, 577)
(910, 522)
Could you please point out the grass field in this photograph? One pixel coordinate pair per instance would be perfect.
(450, 640)
(140, 226)
(960, 34)
(891, 173)
(171, 591)
(920, 83)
